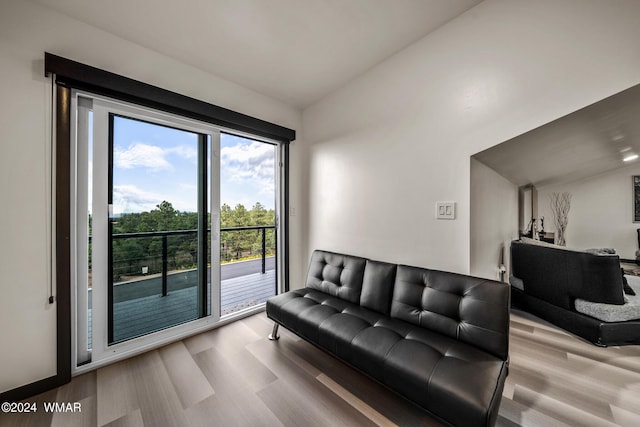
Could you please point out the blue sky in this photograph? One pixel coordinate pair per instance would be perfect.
(154, 163)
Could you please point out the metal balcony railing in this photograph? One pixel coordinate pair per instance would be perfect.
(239, 248)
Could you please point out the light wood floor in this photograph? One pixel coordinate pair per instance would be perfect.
(234, 376)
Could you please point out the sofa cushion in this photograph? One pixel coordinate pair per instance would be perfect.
(337, 275)
(371, 346)
(337, 332)
(377, 286)
(601, 251)
(302, 310)
(630, 310)
(454, 305)
(446, 377)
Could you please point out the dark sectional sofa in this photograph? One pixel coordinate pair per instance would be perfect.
(439, 339)
(547, 280)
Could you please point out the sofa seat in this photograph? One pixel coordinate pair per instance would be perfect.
(630, 310)
(443, 375)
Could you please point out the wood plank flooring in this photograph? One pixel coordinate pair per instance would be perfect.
(234, 376)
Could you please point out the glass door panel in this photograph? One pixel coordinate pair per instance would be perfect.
(158, 216)
(247, 222)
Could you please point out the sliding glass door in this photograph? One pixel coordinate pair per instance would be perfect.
(147, 226)
(158, 227)
(175, 227)
(248, 237)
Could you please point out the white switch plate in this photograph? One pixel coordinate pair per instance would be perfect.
(445, 210)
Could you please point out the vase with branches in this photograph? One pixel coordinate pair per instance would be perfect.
(560, 205)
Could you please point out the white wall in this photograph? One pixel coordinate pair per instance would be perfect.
(28, 333)
(390, 144)
(601, 214)
(494, 221)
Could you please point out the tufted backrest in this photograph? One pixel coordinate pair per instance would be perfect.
(469, 309)
(377, 286)
(336, 274)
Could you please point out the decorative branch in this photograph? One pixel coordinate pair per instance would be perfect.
(560, 205)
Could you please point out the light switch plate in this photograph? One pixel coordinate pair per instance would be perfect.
(445, 210)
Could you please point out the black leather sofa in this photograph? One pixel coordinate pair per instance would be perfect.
(547, 279)
(439, 339)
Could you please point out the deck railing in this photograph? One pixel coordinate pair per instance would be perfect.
(242, 246)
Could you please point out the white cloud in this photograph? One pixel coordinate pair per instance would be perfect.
(253, 163)
(139, 154)
(129, 198)
(184, 151)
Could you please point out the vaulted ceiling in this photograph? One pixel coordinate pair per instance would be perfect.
(591, 141)
(296, 51)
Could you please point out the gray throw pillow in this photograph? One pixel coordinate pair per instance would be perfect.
(627, 289)
(602, 251)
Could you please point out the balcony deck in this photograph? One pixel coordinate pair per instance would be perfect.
(139, 307)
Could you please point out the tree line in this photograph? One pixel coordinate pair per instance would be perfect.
(133, 255)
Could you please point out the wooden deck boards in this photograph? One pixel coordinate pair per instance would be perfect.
(146, 314)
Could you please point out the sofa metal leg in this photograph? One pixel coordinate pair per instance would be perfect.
(273, 336)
